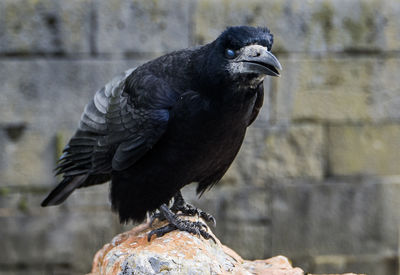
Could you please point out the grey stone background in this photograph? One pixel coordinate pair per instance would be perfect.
(318, 177)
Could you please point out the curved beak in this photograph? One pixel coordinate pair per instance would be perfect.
(257, 59)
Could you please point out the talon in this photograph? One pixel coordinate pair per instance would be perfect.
(159, 232)
(208, 218)
(211, 219)
(201, 225)
(207, 236)
(151, 233)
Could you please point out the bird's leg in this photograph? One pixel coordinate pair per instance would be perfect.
(175, 222)
(156, 215)
(189, 210)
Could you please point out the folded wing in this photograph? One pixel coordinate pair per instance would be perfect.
(116, 129)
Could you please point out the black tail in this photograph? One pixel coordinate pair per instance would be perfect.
(64, 189)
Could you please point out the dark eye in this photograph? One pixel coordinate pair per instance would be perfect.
(230, 53)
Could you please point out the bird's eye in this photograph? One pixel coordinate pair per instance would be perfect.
(230, 53)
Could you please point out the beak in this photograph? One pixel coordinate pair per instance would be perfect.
(257, 59)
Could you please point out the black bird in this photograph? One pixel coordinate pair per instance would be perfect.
(175, 120)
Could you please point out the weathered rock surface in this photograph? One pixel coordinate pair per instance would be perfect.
(179, 253)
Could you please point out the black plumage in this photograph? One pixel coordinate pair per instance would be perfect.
(178, 119)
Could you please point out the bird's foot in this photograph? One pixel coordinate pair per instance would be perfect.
(175, 222)
(187, 209)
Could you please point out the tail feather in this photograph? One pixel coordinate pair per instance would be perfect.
(63, 190)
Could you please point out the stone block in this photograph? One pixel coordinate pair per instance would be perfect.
(273, 153)
(54, 238)
(129, 27)
(294, 152)
(337, 90)
(45, 27)
(337, 217)
(312, 26)
(242, 213)
(364, 149)
(249, 239)
(365, 264)
(41, 102)
(264, 116)
(49, 95)
(332, 89)
(3, 142)
(324, 89)
(27, 161)
(246, 167)
(232, 203)
(385, 90)
(247, 203)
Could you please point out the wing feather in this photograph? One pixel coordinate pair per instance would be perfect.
(117, 128)
(114, 132)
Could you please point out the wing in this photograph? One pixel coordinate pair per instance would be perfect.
(121, 123)
(118, 126)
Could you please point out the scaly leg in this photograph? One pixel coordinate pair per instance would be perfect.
(189, 210)
(175, 222)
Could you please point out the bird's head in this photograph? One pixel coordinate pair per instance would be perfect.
(243, 53)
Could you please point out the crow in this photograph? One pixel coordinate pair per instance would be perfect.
(178, 119)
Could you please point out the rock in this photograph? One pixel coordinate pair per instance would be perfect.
(179, 253)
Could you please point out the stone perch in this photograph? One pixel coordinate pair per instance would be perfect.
(179, 253)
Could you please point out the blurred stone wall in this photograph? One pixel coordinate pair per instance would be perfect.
(318, 177)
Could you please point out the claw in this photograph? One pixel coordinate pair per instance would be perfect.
(159, 232)
(207, 236)
(214, 221)
(209, 218)
(200, 224)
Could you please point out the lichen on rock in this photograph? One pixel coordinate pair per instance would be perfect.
(179, 253)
